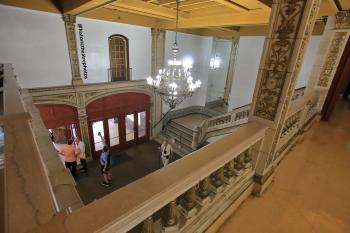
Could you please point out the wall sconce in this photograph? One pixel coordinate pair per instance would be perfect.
(215, 62)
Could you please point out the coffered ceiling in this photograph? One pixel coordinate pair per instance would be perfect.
(224, 18)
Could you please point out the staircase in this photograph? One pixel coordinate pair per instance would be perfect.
(183, 137)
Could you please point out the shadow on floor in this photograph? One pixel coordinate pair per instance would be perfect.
(126, 167)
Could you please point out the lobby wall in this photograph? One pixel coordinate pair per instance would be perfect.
(246, 70)
(96, 33)
(197, 48)
(308, 62)
(35, 43)
(217, 78)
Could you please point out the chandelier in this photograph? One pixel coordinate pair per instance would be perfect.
(174, 83)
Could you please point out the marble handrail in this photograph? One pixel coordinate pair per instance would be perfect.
(125, 208)
(28, 199)
(37, 186)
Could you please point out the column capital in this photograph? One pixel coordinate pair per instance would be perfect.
(68, 19)
(82, 112)
(342, 20)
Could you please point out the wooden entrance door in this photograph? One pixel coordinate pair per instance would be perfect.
(122, 120)
(119, 132)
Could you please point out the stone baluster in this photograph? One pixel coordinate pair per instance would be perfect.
(248, 159)
(188, 207)
(170, 215)
(229, 173)
(148, 225)
(217, 180)
(238, 166)
(203, 192)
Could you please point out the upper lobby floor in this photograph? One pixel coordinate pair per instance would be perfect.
(73, 61)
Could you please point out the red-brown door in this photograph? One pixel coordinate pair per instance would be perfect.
(119, 132)
(122, 119)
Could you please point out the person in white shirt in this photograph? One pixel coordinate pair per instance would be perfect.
(166, 151)
(82, 156)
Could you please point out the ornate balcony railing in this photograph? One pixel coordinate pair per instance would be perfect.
(302, 110)
(188, 195)
(205, 184)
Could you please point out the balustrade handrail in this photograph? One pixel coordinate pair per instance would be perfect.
(205, 127)
(35, 178)
(127, 207)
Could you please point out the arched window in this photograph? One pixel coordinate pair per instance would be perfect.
(119, 58)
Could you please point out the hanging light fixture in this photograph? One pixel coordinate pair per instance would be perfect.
(174, 83)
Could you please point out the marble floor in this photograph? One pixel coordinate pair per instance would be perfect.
(126, 167)
(311, 188)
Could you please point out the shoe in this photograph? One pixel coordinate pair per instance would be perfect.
(105, 184)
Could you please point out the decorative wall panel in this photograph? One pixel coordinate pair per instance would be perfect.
(278, 58)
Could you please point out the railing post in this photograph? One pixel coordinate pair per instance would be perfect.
(195, 139)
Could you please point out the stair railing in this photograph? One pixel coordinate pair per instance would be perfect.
(233, 118)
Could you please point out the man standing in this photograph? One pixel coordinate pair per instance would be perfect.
(166, 150)
(70, 156)
(82, 156)
(105, 163)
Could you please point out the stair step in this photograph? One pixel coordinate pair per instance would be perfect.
(179, 132)
(181, 127)
(177, 138)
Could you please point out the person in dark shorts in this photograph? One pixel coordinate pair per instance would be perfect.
(105, 163)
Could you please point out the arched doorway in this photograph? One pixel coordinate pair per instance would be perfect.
(121, 119)
(61, 120)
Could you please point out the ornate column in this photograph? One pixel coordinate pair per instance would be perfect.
(82, 116)
(69, 23)
(330, 50)
(157, 62)
(291, 25)
(158, 49)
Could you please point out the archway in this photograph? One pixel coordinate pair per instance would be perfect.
(121, 119)
(61, 120)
